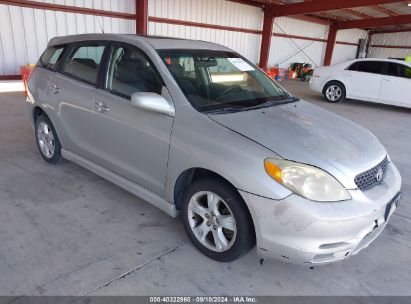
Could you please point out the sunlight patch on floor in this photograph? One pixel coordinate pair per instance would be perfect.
(11, 86)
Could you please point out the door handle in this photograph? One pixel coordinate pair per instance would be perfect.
(348, 75)
(54, 89)
(386, 79)
(101, 107)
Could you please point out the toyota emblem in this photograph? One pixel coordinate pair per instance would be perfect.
(379, 175)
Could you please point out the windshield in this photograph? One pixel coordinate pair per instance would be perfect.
(217, 80)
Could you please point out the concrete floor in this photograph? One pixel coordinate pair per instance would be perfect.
(66, 231)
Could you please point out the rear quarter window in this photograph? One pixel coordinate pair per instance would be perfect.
(353, 67)
(50, 57)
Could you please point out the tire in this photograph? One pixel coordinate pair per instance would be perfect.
(47, 141)
(334, 91)
(230, 220)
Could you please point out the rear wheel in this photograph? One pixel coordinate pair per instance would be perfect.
(334, 92)
(217, 220)
(47, 140)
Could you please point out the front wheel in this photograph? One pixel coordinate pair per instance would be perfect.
(217, 220)
(334, 92)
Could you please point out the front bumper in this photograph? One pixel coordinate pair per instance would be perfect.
(301, 231)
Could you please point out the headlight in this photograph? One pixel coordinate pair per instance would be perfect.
(307, 181)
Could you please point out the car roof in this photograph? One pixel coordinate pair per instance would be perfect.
(156, 42)
(382, 59)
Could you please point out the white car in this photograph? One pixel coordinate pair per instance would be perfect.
(385, 81)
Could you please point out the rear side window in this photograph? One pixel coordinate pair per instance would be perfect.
(50, 57)
(373, 67)
(399, 70)
(83, 63)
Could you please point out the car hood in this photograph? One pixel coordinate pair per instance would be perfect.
(308, 134)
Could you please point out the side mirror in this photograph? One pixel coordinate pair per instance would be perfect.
(152, 102)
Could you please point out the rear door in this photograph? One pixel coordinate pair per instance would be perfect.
(39, 80)
(130, 141)
(73, 88)
(363, 79)
(395, 86)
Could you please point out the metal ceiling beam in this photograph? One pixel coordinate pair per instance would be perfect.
(375, 22)
(357, 13)
(330, 17)
(248, 2)
(385, 10)
(312, 19)
(322, 5)
(393, 31)
(263, 4)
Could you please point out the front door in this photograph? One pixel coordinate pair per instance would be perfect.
(364, 81)
(131, 142)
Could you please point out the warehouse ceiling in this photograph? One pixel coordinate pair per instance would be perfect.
(384, 15)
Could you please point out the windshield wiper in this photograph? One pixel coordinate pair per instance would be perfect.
(266, 104)
(224, 110)
(271, 103)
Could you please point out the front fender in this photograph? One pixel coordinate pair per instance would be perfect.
(199, 142)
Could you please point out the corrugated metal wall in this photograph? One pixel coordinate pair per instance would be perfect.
(392, 39)
(24, 32)
(244, 43)
(122, 6)
(220, 12)
(346, 52)
(287, 50)
(217, 12)
(284, 51)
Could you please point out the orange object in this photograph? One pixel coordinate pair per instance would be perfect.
(25, 75)
(273, 72)
(273, 170)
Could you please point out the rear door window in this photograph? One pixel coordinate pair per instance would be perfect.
(50, 57)
(83, 63)
(399, 70)
(373, 67)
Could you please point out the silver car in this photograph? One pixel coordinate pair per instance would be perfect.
(199, 131)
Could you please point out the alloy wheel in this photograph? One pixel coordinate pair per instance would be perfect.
(333, 92)
(45, 139)
(212, 221)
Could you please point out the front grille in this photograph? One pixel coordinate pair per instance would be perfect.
(368, 179)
